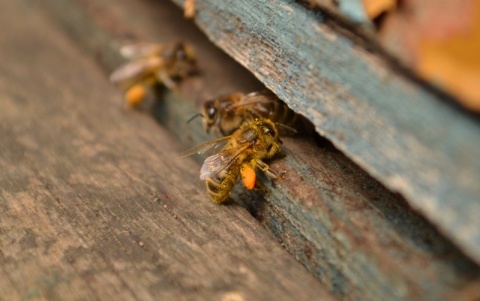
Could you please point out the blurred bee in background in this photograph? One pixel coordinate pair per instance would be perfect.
(189, 9)
(150, 64)
(243, 152)
(227, 112)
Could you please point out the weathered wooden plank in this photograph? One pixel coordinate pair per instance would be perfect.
(97, 205)
(412, 140)
(350, 232)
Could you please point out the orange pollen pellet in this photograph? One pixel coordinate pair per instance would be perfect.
(135, 95)
(248, 177)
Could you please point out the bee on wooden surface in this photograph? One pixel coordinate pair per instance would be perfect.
(150, 64)
(227, 112)
(243, 152)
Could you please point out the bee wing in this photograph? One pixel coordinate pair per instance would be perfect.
(253, 98)
(215, 164)
(204, 147)
(260, 96)
(133, 51)
(136, 69)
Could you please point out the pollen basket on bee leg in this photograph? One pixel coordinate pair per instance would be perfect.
(135, 95)
(248, 177)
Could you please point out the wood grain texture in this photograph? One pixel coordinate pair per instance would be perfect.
(356, 237)
(96, 203)
(414, 141)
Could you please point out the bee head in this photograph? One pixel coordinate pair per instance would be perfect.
(209, 114)
(270, 140)
(180, 52)
(182, 60)
(268, 127)
(185, 52)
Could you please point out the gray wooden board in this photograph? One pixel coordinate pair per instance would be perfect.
(349, 231)
(96, 204)
(413, 141)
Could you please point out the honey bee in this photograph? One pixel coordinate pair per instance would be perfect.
(150, 64)
(227, 112)
(243, 152)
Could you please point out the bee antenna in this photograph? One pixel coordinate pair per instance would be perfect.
(286, 127)
(194, 116)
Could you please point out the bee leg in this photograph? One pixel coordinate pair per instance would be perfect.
(268, 171)
(259, 186)
(166, 80)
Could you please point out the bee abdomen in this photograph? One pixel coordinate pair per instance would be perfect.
(280, 113)
(219, 190)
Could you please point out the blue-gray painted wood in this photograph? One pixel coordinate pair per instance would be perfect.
(353, 10)
(411, 140)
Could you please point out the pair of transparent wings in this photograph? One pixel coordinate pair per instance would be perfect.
(262, 97)
(145, 58)
(215, 164)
